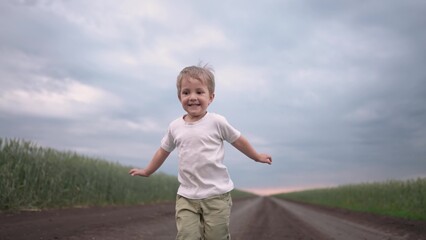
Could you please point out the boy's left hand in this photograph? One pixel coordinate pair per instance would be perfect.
(265, 158)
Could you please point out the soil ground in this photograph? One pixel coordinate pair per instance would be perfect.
(253, 218)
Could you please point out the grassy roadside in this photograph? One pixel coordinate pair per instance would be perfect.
(241, 194)
(33, 177)
(404, 199)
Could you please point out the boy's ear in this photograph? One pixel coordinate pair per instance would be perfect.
(211, 97)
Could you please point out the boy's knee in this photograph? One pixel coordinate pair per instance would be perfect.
(218, 231)
(188, 228)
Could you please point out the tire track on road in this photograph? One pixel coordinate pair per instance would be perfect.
(262, 218)
(334, 227)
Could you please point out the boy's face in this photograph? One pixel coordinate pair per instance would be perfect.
(195, 98)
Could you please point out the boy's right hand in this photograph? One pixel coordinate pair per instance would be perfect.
(138, 172)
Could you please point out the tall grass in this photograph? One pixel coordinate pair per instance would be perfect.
(406, 199)
(236, 193)
(36, 177)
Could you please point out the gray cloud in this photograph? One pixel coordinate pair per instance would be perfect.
(333, 90)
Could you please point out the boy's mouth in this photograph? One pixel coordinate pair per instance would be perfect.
(193, 104)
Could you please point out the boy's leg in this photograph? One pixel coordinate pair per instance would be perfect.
(216, 214)
(188, 216)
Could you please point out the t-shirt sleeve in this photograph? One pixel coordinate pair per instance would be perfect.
(168, 143)
(228, 132)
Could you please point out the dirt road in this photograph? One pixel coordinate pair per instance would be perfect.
(255, 218)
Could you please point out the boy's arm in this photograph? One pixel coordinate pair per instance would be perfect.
(245, 147)
(157, 160)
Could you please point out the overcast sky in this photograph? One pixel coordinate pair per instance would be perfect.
(335, 91)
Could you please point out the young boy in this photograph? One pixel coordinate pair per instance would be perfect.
(203, 202)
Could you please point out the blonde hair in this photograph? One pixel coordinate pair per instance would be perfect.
(202, 73)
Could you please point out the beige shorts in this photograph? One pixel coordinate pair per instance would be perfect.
(206, 219)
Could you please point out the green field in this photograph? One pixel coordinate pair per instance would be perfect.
(405, 199)
(34, 177)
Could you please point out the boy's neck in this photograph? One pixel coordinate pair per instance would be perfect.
(189, 118)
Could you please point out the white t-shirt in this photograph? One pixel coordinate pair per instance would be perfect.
(202, 173)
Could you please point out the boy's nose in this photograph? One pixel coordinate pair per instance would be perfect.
(192, 96)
